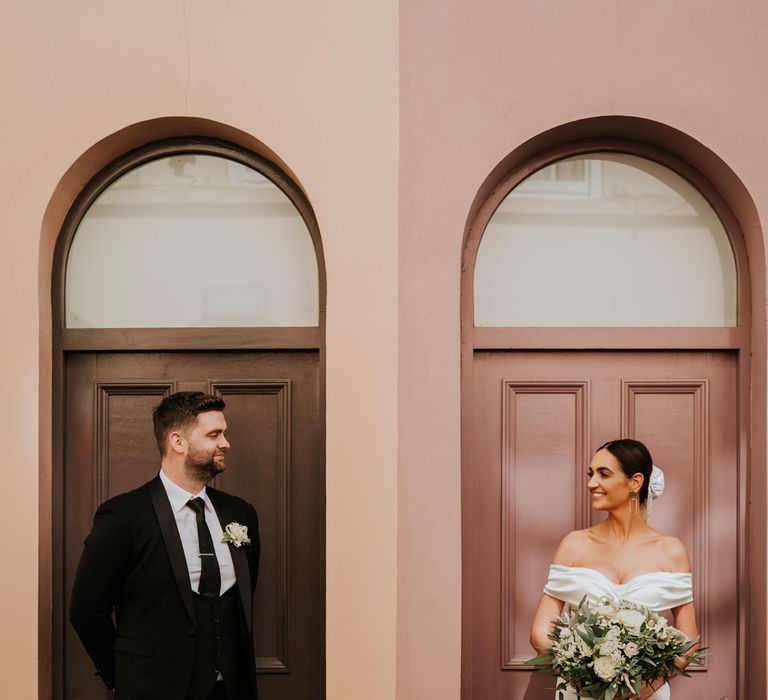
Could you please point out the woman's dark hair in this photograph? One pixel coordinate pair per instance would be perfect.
(633, 457)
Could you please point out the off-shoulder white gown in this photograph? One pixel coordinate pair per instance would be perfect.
(658, 590)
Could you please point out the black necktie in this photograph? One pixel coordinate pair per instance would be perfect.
(210, 578)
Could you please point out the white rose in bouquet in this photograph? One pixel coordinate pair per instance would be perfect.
(631, 649)
(606, 611)
(605, 667)
(631, 619)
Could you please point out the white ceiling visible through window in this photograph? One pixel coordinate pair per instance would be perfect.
(190, 241)
(605, 240)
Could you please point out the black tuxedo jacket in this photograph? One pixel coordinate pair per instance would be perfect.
(133, 564)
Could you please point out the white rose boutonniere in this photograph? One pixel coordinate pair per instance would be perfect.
(236, 534)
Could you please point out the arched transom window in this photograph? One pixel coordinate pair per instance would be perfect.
(605, 239)
(191, 240)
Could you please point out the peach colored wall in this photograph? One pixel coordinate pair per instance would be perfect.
(316, 82)
(477, 81)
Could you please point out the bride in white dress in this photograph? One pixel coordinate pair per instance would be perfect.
(620, 557)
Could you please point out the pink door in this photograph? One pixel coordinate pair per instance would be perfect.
(536, 419)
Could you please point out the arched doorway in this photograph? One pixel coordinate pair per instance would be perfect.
(193, 264)
(587, 274)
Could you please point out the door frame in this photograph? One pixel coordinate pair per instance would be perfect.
(52, 606)
(738, 339)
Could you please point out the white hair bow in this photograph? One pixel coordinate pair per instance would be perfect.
(655, 486)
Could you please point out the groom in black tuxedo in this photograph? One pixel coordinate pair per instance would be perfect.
(176, 562)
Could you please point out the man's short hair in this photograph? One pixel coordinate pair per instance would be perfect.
(179, 411)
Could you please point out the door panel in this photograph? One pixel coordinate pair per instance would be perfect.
(276, 463)
(536, 420)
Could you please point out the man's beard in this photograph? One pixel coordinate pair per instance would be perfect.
(202, 466)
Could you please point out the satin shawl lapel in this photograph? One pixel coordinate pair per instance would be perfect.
(239, 558)
(172, 540)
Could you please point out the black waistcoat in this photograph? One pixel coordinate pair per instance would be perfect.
(221, 646)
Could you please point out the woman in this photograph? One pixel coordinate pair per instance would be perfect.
(621, 557)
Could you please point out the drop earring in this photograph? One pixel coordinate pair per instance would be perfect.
(634, 503)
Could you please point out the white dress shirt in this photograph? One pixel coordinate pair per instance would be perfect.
(186, 521)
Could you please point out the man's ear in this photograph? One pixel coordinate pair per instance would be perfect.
(177, 442)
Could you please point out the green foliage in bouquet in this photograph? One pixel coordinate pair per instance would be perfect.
(607, 649)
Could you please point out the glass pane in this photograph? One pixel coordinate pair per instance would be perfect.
(605, 240)
(191, 240)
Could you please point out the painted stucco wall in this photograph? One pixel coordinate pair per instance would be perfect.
(477, 81)
(391, 124)
(316, 83)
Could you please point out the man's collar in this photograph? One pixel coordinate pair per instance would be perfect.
(178, 496)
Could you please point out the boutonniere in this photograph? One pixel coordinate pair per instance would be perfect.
(236, 534)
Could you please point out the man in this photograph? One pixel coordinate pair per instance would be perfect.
(177, 563)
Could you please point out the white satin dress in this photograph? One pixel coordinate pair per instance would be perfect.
(658, 590)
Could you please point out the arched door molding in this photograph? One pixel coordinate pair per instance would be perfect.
(205, 138)
(733, 205)
(170, 338)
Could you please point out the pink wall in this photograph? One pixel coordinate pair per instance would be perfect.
(477, 81)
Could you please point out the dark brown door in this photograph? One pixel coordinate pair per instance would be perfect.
(276, 462)
(536, 418)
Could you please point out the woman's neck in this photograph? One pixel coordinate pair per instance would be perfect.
(622, 525)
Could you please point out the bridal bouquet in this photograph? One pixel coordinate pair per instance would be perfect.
(606, 649)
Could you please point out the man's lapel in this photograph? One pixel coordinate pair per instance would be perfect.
(172, 540)
(239, 558)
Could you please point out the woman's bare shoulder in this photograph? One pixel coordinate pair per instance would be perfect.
(571, 547)
(674, 553)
